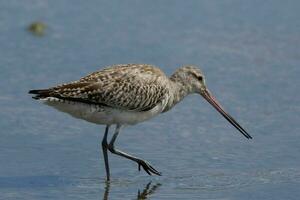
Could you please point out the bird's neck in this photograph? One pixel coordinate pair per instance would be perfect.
(178, 90)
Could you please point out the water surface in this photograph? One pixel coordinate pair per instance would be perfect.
(249, 52)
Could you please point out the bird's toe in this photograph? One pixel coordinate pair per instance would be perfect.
(148, 168)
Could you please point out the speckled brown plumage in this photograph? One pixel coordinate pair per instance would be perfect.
(129, 87)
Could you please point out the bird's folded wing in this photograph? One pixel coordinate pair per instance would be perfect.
(127, 92)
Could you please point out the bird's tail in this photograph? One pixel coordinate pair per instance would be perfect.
(43, 93)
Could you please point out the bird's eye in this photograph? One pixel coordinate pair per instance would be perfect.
(200, 78)
(197, 76)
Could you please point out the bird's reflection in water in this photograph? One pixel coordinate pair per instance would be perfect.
(147, 191)
(106, 190)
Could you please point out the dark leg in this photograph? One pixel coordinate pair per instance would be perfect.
(104, 149)
(146, 166)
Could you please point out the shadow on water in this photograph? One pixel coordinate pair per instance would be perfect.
(147, 191)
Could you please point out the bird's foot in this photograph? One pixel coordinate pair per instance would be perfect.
(148, 168)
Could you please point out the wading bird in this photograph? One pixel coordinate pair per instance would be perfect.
(127, 94)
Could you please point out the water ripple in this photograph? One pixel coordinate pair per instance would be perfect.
(223, 181)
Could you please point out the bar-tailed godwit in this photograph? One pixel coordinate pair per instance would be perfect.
(127, 94)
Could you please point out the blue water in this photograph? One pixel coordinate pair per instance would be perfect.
(249, 51)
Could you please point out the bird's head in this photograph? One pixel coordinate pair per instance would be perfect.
(193, 80)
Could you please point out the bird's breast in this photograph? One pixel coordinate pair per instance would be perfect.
(101, 114)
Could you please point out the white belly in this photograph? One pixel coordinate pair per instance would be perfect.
(99, 114)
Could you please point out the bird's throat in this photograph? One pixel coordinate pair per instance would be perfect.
(177, 93)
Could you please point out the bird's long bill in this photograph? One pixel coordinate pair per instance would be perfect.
(212, 100)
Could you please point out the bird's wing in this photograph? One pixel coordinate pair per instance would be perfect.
(128, 87)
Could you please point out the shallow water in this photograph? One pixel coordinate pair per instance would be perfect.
(249, 52)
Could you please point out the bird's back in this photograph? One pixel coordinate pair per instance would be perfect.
(136, 87)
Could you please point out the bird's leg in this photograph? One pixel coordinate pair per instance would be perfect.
(146, 166)
(104, 150)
